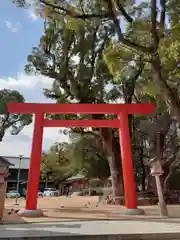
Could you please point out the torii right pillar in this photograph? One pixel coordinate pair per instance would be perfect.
(127, 167)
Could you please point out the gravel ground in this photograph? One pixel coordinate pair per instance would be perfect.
(79, 208)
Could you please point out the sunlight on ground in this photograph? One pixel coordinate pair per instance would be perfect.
(78, 208)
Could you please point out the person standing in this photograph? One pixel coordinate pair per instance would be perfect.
(70, 191)
(67, 192)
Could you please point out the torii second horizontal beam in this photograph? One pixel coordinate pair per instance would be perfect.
(115, 123)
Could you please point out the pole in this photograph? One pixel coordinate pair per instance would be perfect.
(18, 179)
(46, 182)
(162, 205)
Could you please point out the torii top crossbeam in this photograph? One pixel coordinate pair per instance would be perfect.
(25, 108)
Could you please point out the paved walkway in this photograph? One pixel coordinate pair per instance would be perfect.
(123, 229)
(63, 217)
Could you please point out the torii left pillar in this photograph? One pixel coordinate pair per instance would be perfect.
(34, 168)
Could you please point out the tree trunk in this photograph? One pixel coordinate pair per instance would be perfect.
(166, 175)
(143, 177)
(166, 182)
(114, 163)
(2, 132)
(116, 151)
(151, 184)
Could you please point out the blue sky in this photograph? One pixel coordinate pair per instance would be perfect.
(15, 46)
(20, 31)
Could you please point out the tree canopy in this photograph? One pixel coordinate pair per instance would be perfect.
(148, 30)
(13, 122)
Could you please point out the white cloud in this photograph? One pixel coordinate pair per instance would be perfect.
(32, 15)
(30, 86)
(34, 9)
(13, 27)
(32, 89)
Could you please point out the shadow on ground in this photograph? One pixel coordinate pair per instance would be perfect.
(100, 214)
(12, 217)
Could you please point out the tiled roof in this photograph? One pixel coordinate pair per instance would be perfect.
(5, 161)
(78, 176)
(15, 161)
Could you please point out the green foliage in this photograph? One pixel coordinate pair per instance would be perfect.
(83, 155)
(174, 181)
(7, 96)
(117, 59)
(90, 157)
(74, 59)
(14, 122)
(57, 164)
(19, 3)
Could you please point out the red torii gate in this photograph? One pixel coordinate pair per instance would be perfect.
(121, 110)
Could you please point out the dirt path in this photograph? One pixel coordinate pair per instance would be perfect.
(78, 208)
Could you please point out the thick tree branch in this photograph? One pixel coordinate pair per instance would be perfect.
(162, 16)
(48, 167)
(137, 100)
(172, 158)
(121, 38)
(8, 124)
(170, 93)
(170, 141)
(5, 120)
(104, 15)
(129, 86)
(124, 13)
(154, 25)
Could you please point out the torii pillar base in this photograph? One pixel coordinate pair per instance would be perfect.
(31, 213)
(132, 212)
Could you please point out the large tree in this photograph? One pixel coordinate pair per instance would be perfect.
(72, 53)
(137, 42)
(13, 122)
(73, 56)
(148, 28)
